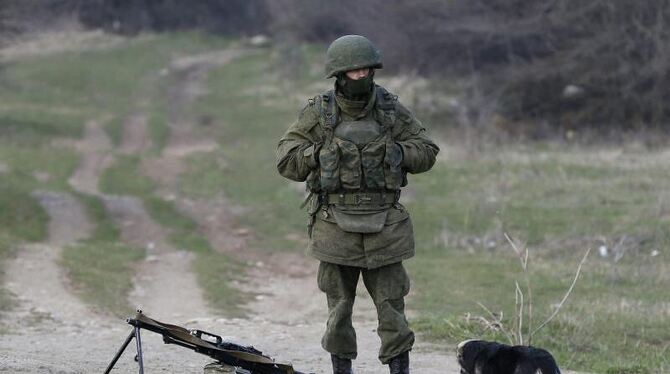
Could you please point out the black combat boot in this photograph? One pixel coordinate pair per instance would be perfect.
(400, 364)
(341, 365)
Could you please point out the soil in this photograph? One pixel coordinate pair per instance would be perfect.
(52, 331)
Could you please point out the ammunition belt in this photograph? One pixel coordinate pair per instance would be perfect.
(361, 198)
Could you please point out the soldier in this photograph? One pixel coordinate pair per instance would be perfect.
(354, 146)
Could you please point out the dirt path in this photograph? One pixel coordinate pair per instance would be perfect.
(189, 75)
(95, 150)
(35, 276)
(135, 138)
(163, 280)
(163, 284)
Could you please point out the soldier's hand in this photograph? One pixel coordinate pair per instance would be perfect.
(394, 154)
(311, 155)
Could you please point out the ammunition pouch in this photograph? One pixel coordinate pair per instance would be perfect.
(361, 212)
(363, 222)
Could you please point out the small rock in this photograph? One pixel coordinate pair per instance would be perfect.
(571, 91)
(242, 231)
(603, 251)
(259, 41)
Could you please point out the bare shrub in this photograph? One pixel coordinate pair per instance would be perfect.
(521, 331)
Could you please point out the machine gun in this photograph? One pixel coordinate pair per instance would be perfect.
(249, 359)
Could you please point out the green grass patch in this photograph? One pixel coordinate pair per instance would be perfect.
(603, 318)
(34, 126)
(246, 97)
(7, 301)
(158, 128)
(114, 129)
(7, 249)
(124, 178)
(105, 229)
(103, 273)
(560, 205)
(101, 268)
(22, 219)
(183, 231)
(37, 168)
(205, 175)
(217, 274)
(21, 216)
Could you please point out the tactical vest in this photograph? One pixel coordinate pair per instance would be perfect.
(359, 155)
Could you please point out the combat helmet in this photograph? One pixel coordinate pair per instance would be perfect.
(351, 52)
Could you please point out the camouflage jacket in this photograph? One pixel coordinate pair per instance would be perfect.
(298, 160)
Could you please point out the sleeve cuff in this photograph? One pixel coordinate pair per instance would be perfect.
(309, 155)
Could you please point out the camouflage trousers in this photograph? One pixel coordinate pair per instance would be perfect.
(387, 286)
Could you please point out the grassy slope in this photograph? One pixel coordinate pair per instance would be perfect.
(556, 203)
(549, 198)
(246, 97)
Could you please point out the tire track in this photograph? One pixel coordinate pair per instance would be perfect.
(35, 276)
(164, 286)
(95, 150)
(164, 277)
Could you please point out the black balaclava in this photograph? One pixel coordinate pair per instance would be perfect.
(355, 89)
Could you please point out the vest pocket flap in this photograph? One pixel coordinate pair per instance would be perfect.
(360, 222)
(329, 159)
(372, 157)
(350, 165)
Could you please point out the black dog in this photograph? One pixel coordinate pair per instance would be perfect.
(482, 357)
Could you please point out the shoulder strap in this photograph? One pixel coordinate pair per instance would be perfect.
(328, 114)
(385, 108)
